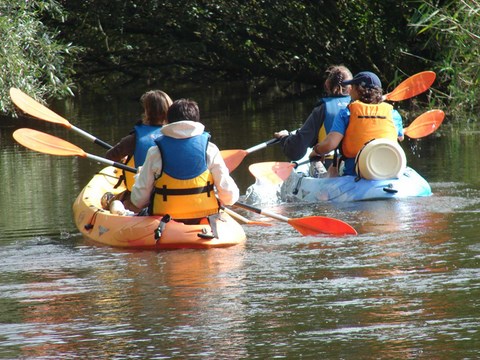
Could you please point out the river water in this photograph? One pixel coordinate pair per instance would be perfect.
(407, 287)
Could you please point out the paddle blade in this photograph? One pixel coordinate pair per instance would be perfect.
(233, 158)
(33, 108)
(425, 124)
(45, 143)
(314, 225)
(272, 172)
(412, 86)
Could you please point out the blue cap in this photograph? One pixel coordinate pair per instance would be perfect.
(366, 79)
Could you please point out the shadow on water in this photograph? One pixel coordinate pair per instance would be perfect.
(405, 287)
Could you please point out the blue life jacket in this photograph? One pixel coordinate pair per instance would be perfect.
(333, 105)
(183, 158)
(145, 136)
(185, 188)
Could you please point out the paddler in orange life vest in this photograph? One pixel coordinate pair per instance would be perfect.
(365, 118)
(319, 122)
(182, 171)
(133, 147)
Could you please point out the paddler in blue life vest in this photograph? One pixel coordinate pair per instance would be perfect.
(182, 172)
(365, 118)
(319, 122)
(133, 147)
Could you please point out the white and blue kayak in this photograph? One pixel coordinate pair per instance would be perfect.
(381, 163)
(350, 188)
(300, 187)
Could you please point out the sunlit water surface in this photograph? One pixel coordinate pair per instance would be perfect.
(407, 287)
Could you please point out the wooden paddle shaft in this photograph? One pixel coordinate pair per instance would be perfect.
(262, 212)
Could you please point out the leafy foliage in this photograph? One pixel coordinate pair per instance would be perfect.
(295, 41)
(454, 38)
(120, 42)
(30, 56)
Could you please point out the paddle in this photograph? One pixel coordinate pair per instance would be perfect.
(310, 225)
(244, 219)
(33, 108)
(49, 144)
(412, 86)
(425, 124)
(275, 172)
(233, 158)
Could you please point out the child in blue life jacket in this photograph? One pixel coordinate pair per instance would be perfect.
(184, 175)
(319, 122)
(132, 149)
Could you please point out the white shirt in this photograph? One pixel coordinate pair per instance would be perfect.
(227, 190)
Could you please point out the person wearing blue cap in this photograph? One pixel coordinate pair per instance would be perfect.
(366, 118)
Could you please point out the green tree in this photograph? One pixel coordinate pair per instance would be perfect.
(294, 41)
(31, 56)
(453, 31)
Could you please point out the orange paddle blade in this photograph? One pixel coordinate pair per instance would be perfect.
(425, 124)
(233, 158)
(412, 86)
(45, 143)
(313, 225)
(310, 225)
(273, 172)
(34, 108)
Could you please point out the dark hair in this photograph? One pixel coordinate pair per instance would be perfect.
(336, 74)
(369, 95)
(156, 104)
(183, 109)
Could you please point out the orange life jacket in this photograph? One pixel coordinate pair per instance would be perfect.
(367, 122)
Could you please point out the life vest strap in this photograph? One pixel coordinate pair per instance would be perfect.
(371, 117)
(192, 191)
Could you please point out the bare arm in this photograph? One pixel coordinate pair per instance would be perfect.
(330, 143)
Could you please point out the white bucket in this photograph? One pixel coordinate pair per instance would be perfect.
(380, 159)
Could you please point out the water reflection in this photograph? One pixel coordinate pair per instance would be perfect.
(36, 196)
(118, 303)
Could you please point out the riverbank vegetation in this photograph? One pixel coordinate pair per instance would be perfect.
(32, 56)
(453, 43)
(101, 45)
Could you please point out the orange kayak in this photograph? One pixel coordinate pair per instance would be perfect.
(141, 232)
